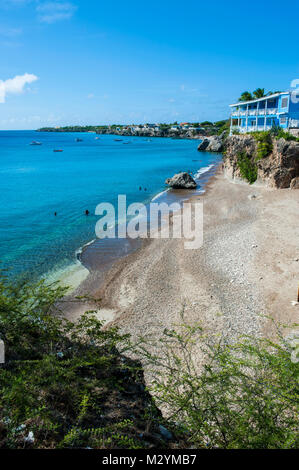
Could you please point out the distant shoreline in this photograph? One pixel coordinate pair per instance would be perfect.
(186, 131)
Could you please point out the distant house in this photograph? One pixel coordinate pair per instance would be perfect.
(264, 113)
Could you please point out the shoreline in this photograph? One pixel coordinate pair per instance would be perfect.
(99, 268)
(89, 257)
(246, 268)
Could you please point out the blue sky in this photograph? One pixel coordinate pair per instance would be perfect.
(94, 62)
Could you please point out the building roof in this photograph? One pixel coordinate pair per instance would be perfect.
(241, 103)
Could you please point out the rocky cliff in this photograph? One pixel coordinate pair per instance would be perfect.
(214, 143)
(279, 168)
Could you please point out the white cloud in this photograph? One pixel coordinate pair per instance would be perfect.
(10, 32)
(50, 12)
(90, 96)
(15, 85)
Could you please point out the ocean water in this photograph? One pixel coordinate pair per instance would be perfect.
(36, 182)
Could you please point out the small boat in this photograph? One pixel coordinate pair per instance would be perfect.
(96, 138)
(118, 140)
(79, 140)
(35, 142)
(57, 150)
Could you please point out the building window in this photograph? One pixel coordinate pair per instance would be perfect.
(283, 120)
(284, 102)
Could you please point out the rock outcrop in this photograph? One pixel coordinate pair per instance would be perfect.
(215, 143)
(181, 181)
(295, 183)
(279, 169)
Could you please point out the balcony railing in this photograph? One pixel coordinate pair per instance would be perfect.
(243, 130)
(255, 112)
(294, 123)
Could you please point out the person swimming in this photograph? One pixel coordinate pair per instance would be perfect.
(55, 213)
(87, 212)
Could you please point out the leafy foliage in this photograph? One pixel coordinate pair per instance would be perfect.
(247, 167)
(70, 385)
(264, 144)
(280, 133)
(258, 93)
(246, 96)
(243, 395)
(62, 379)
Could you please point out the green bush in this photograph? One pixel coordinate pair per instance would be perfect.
(61, 380)
(264, 144)
(70, 384)
(242, 395)
(247, 167)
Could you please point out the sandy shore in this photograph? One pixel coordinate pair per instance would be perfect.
(247, 266)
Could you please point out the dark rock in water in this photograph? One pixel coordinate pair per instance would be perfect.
(181, 181)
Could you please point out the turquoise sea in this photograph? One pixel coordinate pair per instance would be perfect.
(37, 182)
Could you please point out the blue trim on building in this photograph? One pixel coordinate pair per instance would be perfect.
(262, 114)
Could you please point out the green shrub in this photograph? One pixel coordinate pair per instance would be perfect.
(60, 379)
(69, 383)
(264, 144)
(247, 167)
(242, 395)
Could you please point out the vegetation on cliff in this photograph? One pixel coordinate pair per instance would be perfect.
(245, 395)
(73, 385)
(264, 144)
(247, 167)
(271, 156)
(66, 384)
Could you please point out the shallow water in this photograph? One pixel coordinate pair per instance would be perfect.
(36, 182)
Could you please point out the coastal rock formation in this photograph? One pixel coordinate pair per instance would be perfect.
(295, 183)
(149, 133)
(212, 144)
(279, 169)
(181, 181)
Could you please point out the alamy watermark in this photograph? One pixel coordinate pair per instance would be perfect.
(155, 220)
(295, 91)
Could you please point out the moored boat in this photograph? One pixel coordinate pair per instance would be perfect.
(35, 142)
